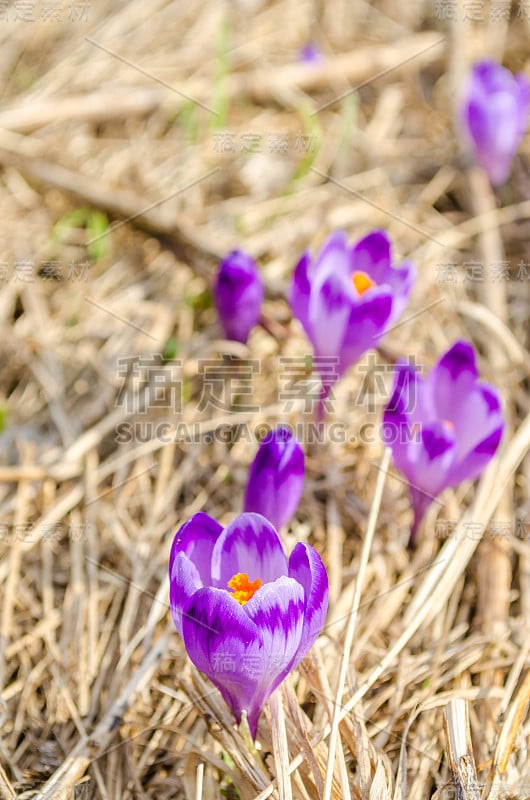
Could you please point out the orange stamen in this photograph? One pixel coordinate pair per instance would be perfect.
(243, 588)
(448, 424)
(362, 282)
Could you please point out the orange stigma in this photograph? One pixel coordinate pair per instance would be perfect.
(448, 424)
(362, 282)
(243, 588)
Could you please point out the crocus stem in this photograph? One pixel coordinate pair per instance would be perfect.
(411, 545)
(246, 735)
(420, 503)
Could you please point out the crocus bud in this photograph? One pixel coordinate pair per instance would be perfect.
(276, 477)
(347, 297)
(238, 295)
(494, 116)
(443, 429)
(246, 614)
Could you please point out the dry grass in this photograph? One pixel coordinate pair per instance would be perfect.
(125, 113)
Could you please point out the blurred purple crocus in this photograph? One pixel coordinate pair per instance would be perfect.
(238, 294)
(346, 299)
(276, 477)
(247, 615)
(443, 429)
(310, 54)
(494, 116)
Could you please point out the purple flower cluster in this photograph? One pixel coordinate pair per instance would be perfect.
(248, 614)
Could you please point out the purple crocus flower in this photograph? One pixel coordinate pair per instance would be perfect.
(443, 429)
(494, 116)
(238, 295)
(310, 54)
(247, 615)
(347, 298)
(276, 477)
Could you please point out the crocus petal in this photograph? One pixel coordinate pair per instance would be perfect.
(329, 312)
(248, 545)
(300, 293)
(432, 458)
(184, 581)
(426, 460)
(482, 425)
(403, 399)
(457, 396)
(333, 258)
(403, 414)
(330, 295)
(222, 641)
(278, 612)
(196, 538)
(306, 567)
(276, 477)
(474, 463)
(475, 417)
(495, 143)
(451, 381)
(428, 468)
(460, 360)
(366, 325)
(371, 254)
(401, 279)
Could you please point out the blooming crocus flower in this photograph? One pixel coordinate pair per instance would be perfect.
(238, 294)
(443, 429)
(494, 116)
(310, 54)
(247, 615)
(347, 298)
(276, 477)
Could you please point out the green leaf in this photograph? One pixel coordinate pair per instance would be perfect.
(171, 349)
(94, 222)
(187, 118)
(199, 301)
(4, 413)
